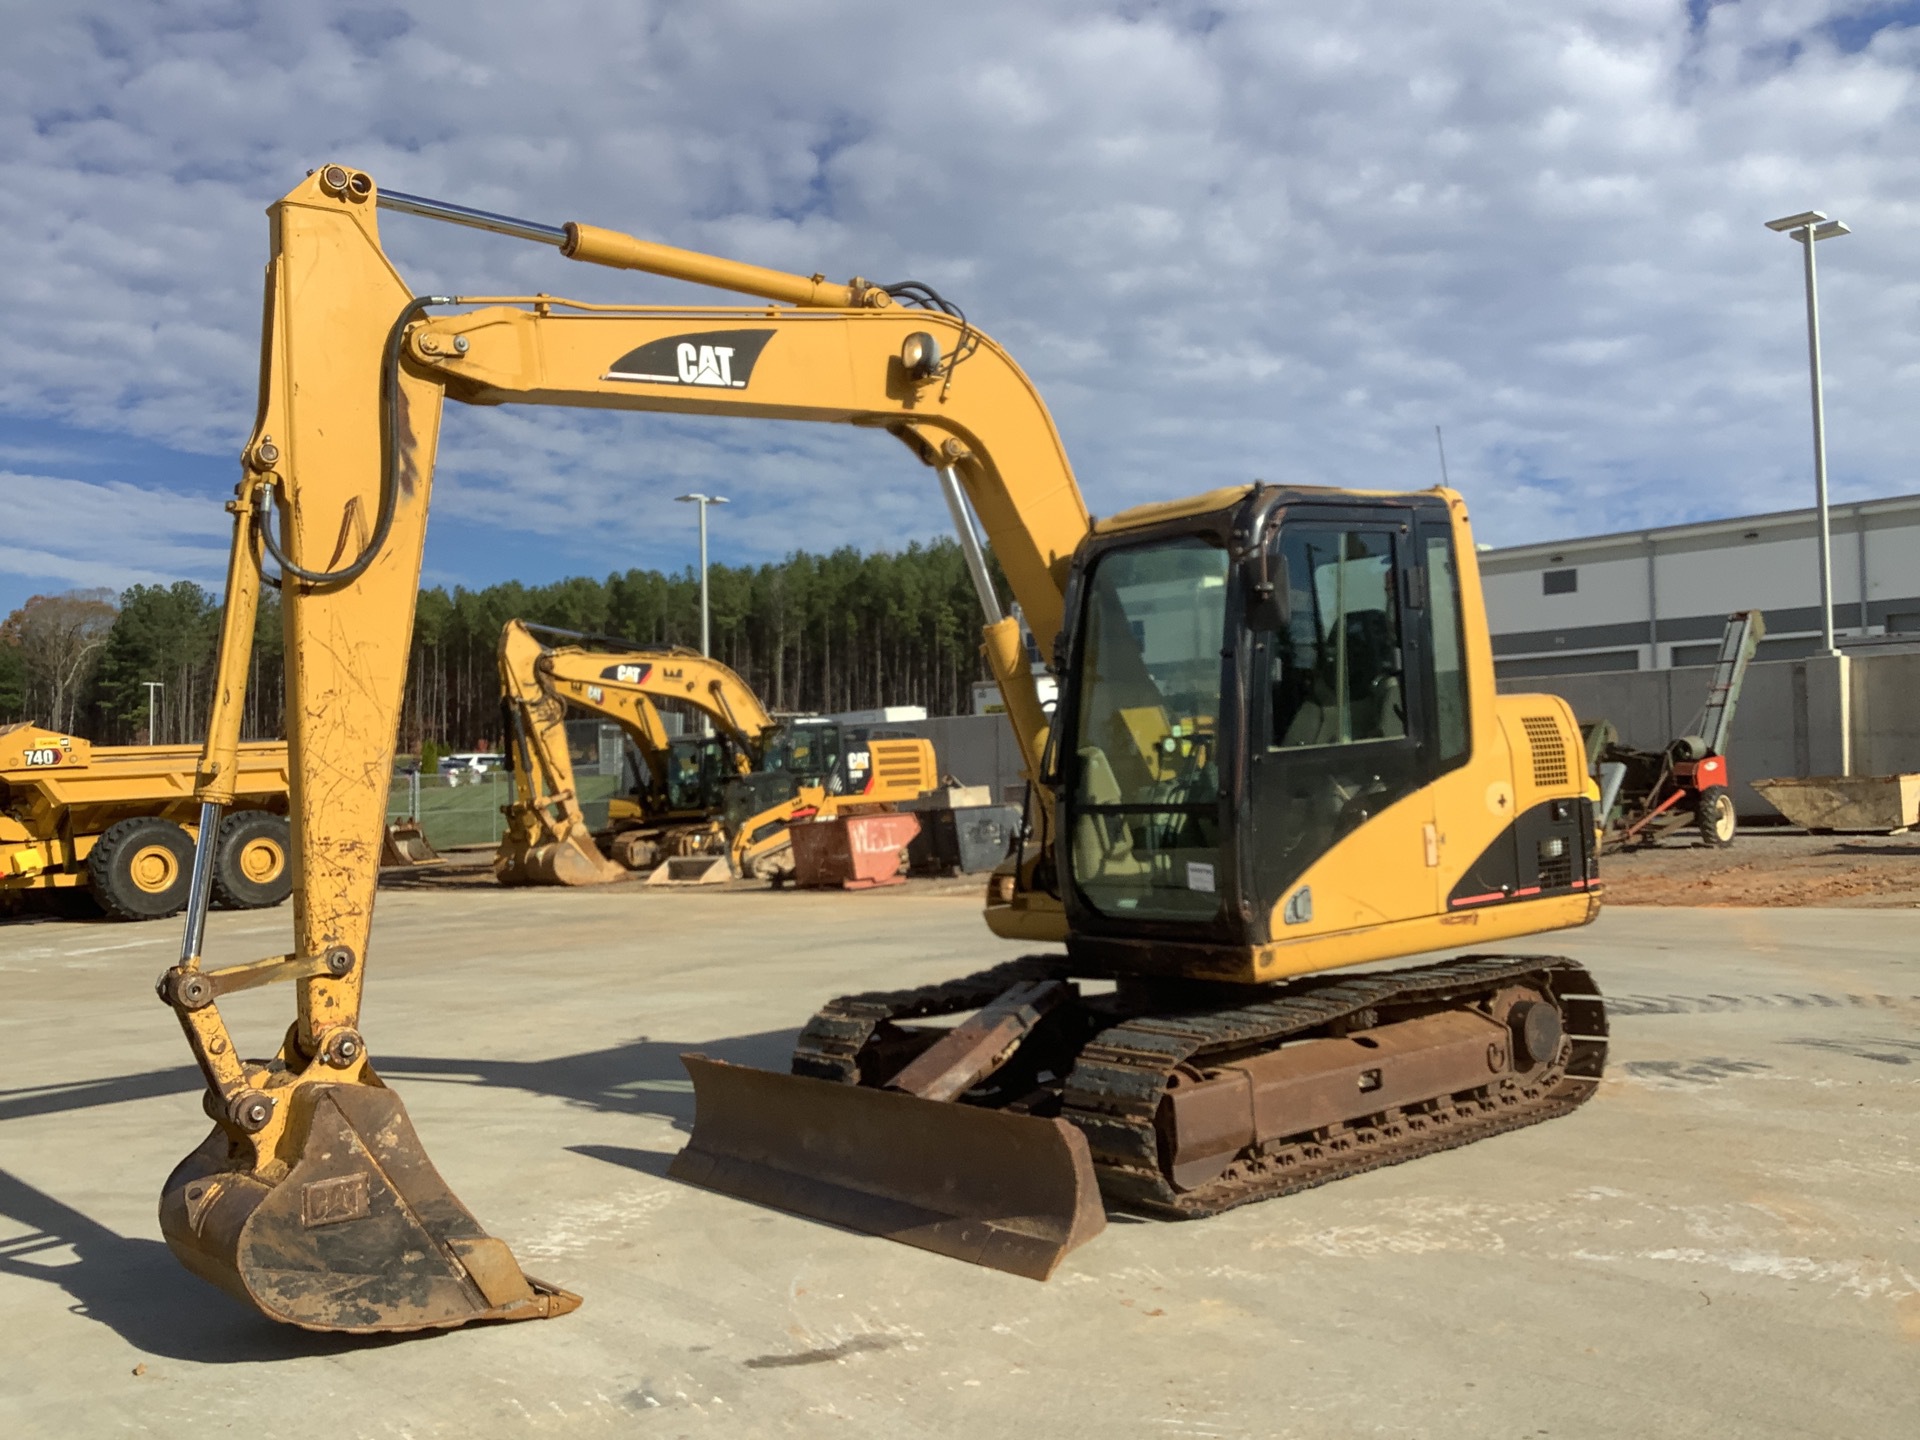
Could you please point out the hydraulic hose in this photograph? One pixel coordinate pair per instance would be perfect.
(389, 459)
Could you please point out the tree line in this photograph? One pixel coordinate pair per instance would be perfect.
(811, 633)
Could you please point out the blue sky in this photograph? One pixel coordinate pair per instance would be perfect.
(1227, 240)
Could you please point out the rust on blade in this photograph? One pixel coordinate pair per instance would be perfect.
(1008, 1191)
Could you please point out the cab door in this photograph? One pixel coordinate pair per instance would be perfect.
(1341, 834)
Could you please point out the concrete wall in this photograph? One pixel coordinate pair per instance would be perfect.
(1886, 714)
(1788, 721)
(975, 750)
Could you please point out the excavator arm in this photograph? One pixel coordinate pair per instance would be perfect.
(627, 680)
(547, 840)
(312, 1198)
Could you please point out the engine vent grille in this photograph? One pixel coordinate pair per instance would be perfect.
(1549, 752)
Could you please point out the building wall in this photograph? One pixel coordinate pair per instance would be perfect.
(1655, 599)
(975, 750)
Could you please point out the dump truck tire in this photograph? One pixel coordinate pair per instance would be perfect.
(251, 869)
(1716, 817)
(141, 869)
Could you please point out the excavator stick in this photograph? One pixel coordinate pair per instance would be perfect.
(361, 1235)
(1008, 1191)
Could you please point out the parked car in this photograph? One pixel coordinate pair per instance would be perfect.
(469, 766)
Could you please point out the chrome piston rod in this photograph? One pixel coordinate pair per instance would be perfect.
(200, 893)
(474, 219)
(970, 544)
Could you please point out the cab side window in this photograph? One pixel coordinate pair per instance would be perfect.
(1449, 655)
(1337, 671)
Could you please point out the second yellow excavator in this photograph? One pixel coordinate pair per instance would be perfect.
(1278, 752)
(736, 792)
(547, 839)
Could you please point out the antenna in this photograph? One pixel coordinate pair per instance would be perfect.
(1440, 440)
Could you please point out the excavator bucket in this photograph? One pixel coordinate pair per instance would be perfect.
(1011, 1192)
(692, 870)
(362, 1235)
(575, 860)
(404, 845)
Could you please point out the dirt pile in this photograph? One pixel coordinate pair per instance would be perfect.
(1763, 868)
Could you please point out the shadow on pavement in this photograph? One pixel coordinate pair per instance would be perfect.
(85, 1094)
(647, 1162)
(641, 1077)
(138, 1290)
(135, 1286)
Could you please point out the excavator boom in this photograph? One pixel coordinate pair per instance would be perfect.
(312, 1197)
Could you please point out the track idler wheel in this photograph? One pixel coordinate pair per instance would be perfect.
(361, 1235)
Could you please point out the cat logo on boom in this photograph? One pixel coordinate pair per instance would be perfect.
(719, 359)
(626, 674)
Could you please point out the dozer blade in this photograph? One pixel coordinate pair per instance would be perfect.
(1011, 1192)
(572, 861)
(362, 1234)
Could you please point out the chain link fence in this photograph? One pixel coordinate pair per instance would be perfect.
(466, 810)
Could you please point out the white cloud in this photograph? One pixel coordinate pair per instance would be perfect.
(1227, 240)
(64, 533)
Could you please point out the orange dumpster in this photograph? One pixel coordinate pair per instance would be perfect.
(853, 852)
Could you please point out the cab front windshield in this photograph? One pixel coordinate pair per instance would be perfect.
(697, 770)
(1146, 791)
(807, 752)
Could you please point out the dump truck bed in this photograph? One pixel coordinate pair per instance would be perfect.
(59, 793)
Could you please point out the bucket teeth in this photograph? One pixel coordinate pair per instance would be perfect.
(362, 1235)
(1008, 1191)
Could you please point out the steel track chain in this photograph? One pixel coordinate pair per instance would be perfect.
(829, 1048)
(1113, 1093)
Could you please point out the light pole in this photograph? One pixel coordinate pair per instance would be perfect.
(153, 737)
(1807, 227)
(703, 501)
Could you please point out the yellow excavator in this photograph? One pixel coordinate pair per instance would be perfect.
(751, 781)
(547, 840)
(1278, 752)
(817, 768)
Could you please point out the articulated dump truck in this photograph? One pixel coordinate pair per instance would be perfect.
(1278, 753)
(122, 822)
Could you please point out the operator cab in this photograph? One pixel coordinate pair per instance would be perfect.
(805, 752)
(1245, 684)
(698, 769)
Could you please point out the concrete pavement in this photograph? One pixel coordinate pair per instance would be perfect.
(1724, 1242)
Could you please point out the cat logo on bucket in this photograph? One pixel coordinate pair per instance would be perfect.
(716, 359)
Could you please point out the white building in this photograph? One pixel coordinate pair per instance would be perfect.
(1655, 599)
